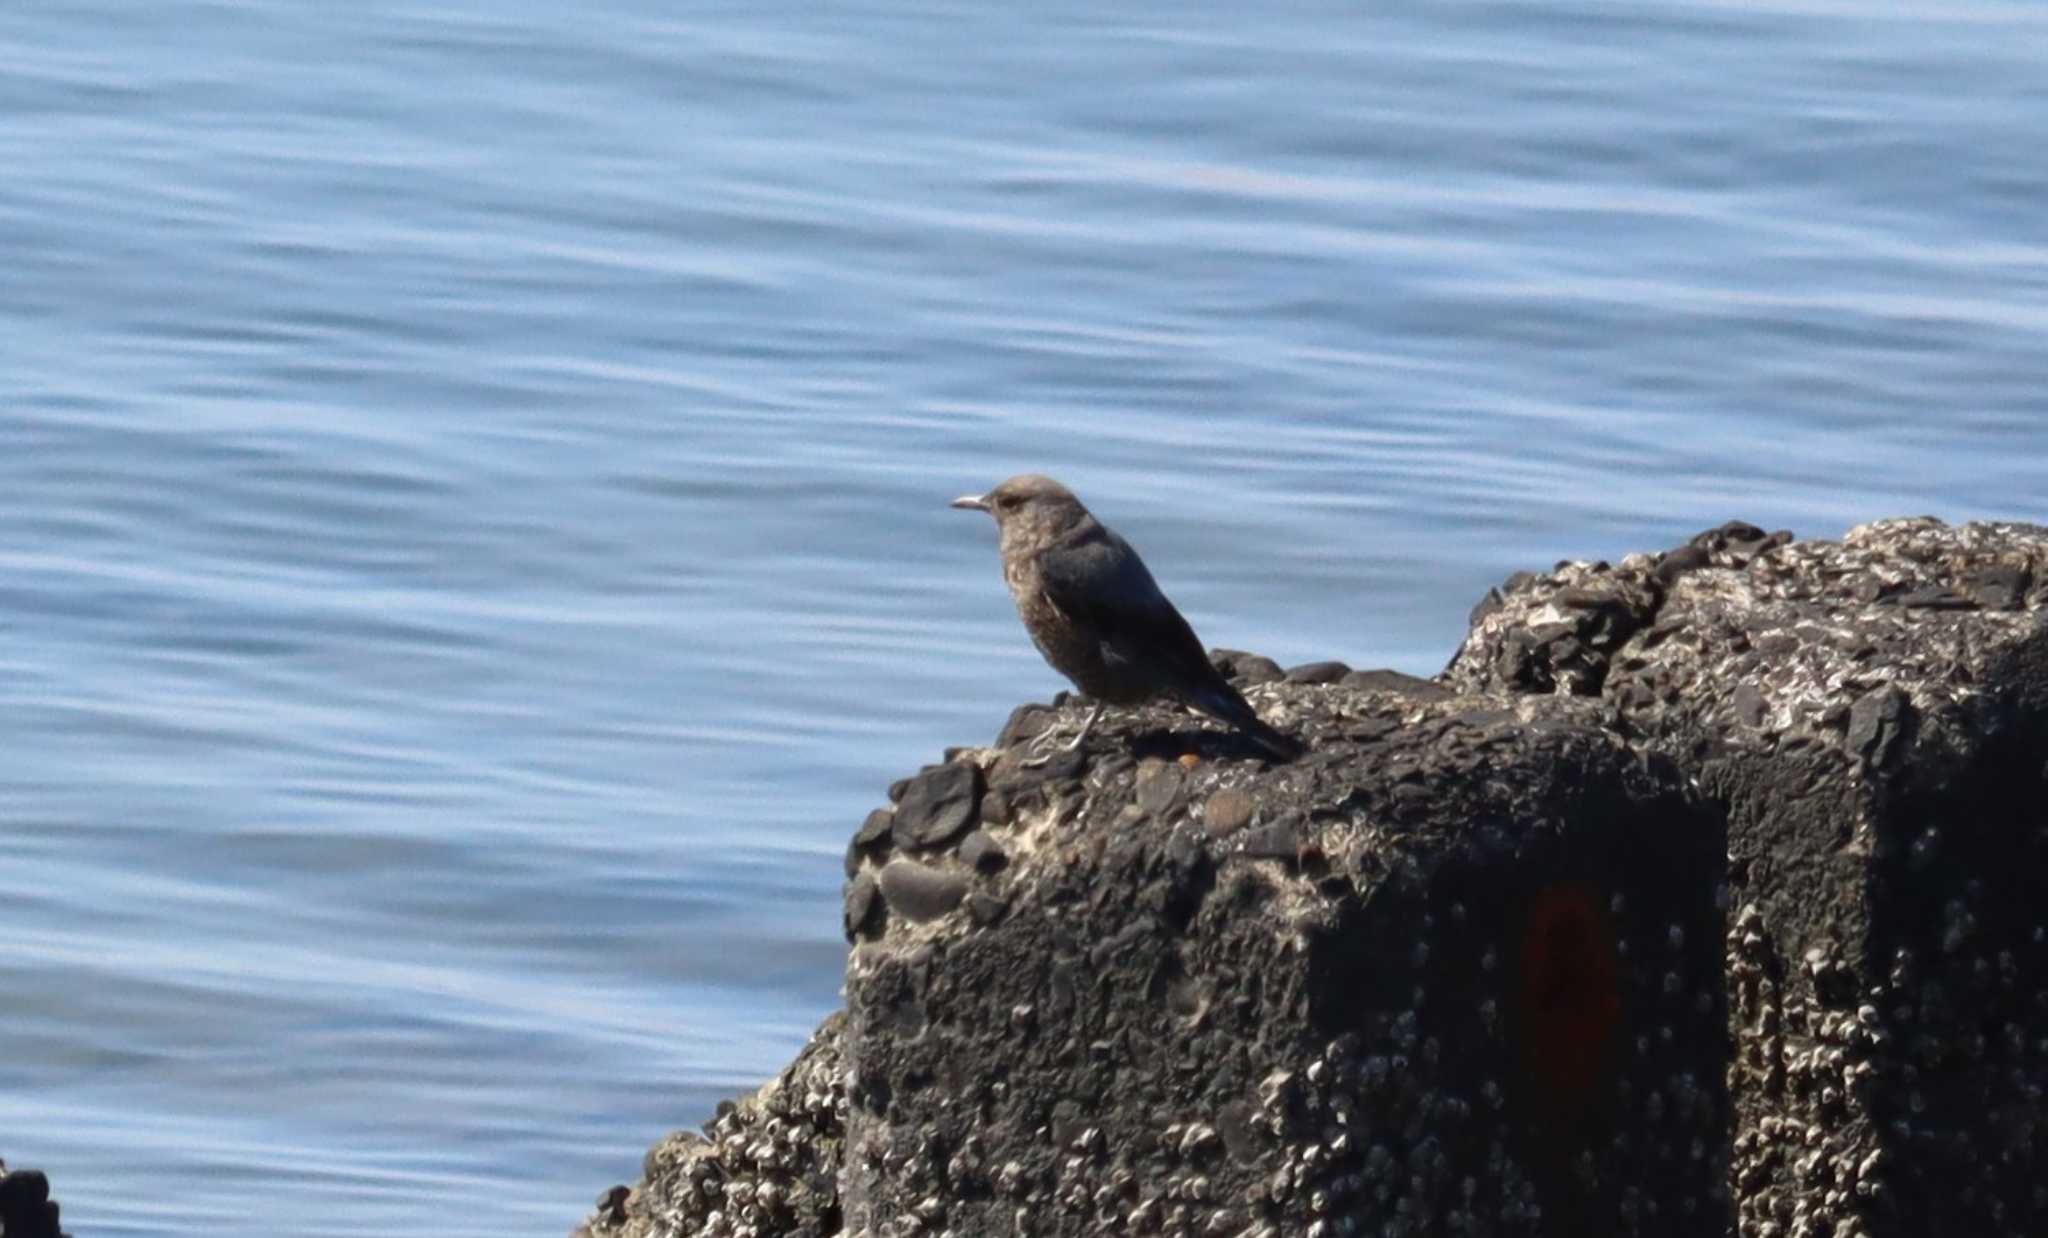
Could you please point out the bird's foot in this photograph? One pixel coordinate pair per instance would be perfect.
(1058, 750)
(1069, 746)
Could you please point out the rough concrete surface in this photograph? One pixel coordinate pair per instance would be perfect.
(766, 1164)
(1456, 971)
(1702, 892)
(1870, 712)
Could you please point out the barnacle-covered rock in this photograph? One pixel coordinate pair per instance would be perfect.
(1455, 970)
(1702, 889)
(1874, 714)
(767, 1166)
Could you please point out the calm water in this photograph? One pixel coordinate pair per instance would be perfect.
(474, 538)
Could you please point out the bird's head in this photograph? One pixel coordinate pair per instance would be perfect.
(1028, 509)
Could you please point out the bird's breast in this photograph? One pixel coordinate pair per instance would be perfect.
(1069, 644)
(1020, 576)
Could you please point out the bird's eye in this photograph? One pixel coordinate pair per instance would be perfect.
(1007, 502)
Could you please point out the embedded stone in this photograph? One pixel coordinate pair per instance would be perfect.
(921, 892)
(1246, 669)
(982, 853)
(1317, 672)
(1878, 722)
(937, 806)
(875, 828)
(995, 808)
(1228, 811)
(861, 905)
(1159, 784)
(1060, 767)
(986, 909)
(1026, 723)
(1279, 841)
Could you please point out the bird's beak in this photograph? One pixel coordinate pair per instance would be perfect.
(971, 502)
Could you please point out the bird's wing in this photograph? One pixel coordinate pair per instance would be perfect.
(1101, 582)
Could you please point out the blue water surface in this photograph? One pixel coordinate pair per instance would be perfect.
(474, 542)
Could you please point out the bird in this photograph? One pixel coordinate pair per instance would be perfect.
(1097, 616)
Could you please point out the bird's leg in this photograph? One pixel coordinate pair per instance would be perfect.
(1087, 725)
(1094, 712)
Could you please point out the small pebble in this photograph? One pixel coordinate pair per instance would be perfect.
(1228, 811)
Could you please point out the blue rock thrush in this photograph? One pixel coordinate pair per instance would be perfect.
(1094, 611)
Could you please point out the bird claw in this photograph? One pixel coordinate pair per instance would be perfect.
(1038, 740)
(1045, 757)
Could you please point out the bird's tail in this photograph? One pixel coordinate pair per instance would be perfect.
(1223, 703)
